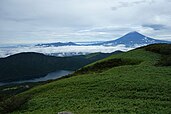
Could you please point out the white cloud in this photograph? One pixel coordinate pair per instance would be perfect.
(4, 52)
(33, 21)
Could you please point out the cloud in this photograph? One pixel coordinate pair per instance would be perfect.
(41, 21)
(124, 4)
(155, 26)
(6, 51)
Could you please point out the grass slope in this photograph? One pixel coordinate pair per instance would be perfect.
(142, 88)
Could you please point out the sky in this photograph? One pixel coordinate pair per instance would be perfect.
(43, 21)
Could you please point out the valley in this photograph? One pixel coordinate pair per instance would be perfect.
(133, 82)
(30, 65)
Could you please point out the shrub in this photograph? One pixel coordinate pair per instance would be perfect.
(165, 61)
(101, 66)
(164, 50)
(13, 103)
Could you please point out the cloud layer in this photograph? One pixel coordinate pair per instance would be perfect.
(36, 21)
(6, 51)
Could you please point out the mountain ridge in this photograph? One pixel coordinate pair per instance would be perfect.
(30, 65)
(56, 44)
(132, 39)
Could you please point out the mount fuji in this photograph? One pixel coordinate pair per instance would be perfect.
(132, 39)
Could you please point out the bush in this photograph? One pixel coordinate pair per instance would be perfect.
(164, 50)
(13, 103)
(101, 66)
(165, 61)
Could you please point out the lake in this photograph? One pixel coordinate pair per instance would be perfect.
(53, 75)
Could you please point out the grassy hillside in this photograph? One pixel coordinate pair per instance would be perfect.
(131, 82)
(31, 65)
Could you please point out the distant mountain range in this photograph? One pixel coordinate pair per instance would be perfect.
(132, 39)
(58, 44)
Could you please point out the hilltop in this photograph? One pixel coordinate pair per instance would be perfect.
(137, 81)
(30, 65)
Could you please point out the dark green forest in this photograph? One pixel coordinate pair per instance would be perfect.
(30, 65)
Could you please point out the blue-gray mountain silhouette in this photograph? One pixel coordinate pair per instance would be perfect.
(132, 39)
(56, 44)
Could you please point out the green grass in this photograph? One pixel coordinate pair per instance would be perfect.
(141, 88)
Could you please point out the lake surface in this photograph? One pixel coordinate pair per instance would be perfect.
(50, 76)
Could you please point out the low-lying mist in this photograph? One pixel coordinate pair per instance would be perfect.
(7, 51)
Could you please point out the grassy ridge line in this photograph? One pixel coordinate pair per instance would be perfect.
(141, 88)
(149, 58)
